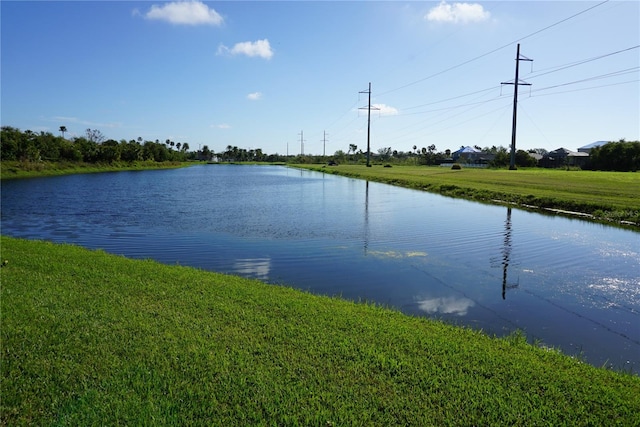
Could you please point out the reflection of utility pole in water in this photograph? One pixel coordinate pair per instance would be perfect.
(506, 255)
(366, 218)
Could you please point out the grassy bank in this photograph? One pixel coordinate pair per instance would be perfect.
(90, 338)
(16, 169)
(607, 196)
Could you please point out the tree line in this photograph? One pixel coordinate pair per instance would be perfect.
(621, 156)
(92, 147)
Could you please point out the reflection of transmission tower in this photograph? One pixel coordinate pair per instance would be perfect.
(512, 163)
(368, 123)
(366, 218)
(506, 255)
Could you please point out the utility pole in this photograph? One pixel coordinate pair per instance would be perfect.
(368, 122)
(324, 142)
(512, 162)
(301, 143)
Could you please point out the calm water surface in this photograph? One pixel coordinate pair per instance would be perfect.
(567, 283)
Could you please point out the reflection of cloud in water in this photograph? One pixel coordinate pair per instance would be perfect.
(253, 267)
(395, 254)
(446, 305)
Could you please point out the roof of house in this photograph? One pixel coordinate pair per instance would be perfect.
(561, 150)
(594, 145)
(468, 149)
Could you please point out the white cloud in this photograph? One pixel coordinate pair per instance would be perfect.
(457, 12)
(260, 48)
(185, 13)
(254, 96)
(446, 305)
(385, 110)
(221, 126)
(254, 267)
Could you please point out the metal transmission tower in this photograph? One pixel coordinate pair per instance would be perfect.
(516, 83)
(301, 143)
(324, 142)
(368, 107)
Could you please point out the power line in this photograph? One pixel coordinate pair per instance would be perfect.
(452, 98)
(495, 50)
(545, 71)
(574, 64)
(601, 76)
(588, 88)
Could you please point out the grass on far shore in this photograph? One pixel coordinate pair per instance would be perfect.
(90, 338)
(17, 169)
(604, 196)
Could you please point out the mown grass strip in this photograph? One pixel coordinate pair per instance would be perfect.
(16, 169)
(607, 196)
(90, 338)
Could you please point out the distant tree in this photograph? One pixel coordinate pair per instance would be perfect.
(185, 147)
(130, 151)
(94, 135)
(385, 153)
(622, 156)
(206, 153)
(87, 148)
(63, 129)
(109, 151)
(501, 158)
(523, 159)
(339, 156)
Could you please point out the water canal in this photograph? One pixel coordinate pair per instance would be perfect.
(567, 283)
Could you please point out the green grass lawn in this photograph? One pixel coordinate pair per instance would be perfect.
(90, 338)
(608, 196)
(16, 169)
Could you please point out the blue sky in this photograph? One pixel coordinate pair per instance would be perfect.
(257, 74)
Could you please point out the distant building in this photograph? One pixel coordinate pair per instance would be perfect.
(587, 148)
(564, 157)
(472, 155)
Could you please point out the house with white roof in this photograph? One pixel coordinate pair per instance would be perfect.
(587, 148)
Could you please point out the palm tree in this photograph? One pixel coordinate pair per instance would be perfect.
(63, 129)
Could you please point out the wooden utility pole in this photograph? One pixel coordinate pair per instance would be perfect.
(512, 162)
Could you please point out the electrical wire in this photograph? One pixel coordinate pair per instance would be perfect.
(574, 64)
(494, 50)
(602, 76)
